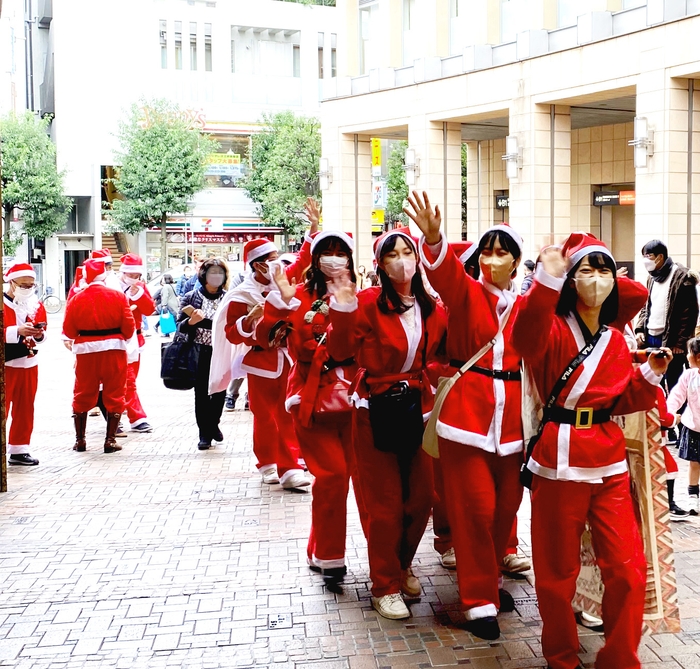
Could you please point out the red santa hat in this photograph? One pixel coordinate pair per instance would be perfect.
(131, 264)
(464, 250)
(289, 258)
(19, 270)
(257, 248)
(325, 234)
(403, 231)
(504, 227)
(101, 255)
(579, 244)
(94, 270)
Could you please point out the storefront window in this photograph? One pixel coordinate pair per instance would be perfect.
(230, 163)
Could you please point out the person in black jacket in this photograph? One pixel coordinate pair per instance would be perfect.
(197, 323)
(671, 312)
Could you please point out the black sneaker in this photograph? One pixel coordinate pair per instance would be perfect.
(678, 514)
(483, 628)
(204, 444)
(23, 459)
(218, 436)
(506, 601)
(230, 404)
(142, 427)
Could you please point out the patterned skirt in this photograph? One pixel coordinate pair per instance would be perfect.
(689, 444)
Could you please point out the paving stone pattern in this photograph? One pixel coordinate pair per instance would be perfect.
(164, 556)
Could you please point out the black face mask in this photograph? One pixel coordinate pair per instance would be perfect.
(661, 274)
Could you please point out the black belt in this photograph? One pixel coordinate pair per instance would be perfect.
(581, 418)
(99, 333)
(332, 364)
(493, 373)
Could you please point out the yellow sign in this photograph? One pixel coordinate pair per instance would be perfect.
(378, 221)
(224, 159)
(376, 152)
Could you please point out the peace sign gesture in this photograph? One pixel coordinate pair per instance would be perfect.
(422, 214)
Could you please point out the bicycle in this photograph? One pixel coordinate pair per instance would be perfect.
(51, 302)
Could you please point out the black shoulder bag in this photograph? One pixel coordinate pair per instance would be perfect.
(525, 473)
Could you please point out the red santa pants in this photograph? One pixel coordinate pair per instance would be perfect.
(394, 526)
(134, 410)
(92, 369)
(328, 453)
(441, 523)
(274, 439)
(483, 495)
(20, 391)
(559, 512)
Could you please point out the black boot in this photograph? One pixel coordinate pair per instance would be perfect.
(111, 445)
(676, 512)
(80, 422)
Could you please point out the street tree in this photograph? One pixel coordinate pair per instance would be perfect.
(31, 181)
(162, 163)
(396, 187)
(284, 169)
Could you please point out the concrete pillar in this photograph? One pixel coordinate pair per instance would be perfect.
(531, 211)
(438, 147)
(347, 204)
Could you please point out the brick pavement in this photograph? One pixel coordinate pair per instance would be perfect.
(164, 556)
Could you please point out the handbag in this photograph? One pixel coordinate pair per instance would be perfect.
(525, 474)
(179, 363)
(167, 322)
(430, 437)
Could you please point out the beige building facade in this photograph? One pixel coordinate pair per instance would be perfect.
(557, 89)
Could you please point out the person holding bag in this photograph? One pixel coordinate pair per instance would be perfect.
(168, 307)
(578, 461)
(478, 421)
(393, 331)
(317, 394)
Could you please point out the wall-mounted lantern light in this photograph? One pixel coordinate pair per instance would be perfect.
(643, 141)
(411, 167)
(325, 174)
(513, 157)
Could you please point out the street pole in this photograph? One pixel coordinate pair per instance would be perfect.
(3, 445)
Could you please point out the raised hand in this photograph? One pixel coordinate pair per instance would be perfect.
(553, 261)
(422, 214)
(287, 289)
(658, 360)
(313, 213)
(344, 290)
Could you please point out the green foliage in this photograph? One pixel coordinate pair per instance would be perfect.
(284, 157)
(396, 187)
(30, 179)
(162, 165)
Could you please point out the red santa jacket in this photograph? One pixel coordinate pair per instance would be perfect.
(385, 348)
(98, 319)
(606, 379)
(479, 411)
(141, 304)
(306, 327)
(29, 311)
(264, 358)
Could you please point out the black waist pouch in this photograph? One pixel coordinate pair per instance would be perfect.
(396, 417)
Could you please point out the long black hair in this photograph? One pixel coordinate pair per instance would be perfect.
(315, 278)
(389, 299)
(569, 296)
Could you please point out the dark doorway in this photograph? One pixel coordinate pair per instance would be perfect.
(72, 260)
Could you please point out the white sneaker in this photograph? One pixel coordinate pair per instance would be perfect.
(391, 606)
(294, 479)
(448, 559)
(269, 474)
(410, 585)
(515, 564)
(694, 504)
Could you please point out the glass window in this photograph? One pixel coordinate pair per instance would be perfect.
(454, 9)
(163, 30)
(207, 47)
(568, 12)
(296, 60)
(368, 38)
(320, 62)
(230, 163)
(193, 46)
(334, 63)
(234, 33)
(178, 45)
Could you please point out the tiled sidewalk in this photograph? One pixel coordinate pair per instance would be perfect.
(162, 555)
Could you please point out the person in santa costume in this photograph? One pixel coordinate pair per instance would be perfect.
(25, 326)
(325, 441)
(141, 304)
(479, 428)
(111, 280)
(394, 331)
(579, 466)
(99, 322)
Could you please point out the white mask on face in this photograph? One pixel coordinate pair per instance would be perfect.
(402, 270)
(264, 270)
(216, 278)
(129, 281)
(594, 290)
(649, 264)
(333, 266)
(22, 294)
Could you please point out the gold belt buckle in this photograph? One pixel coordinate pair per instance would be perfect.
(584, 418)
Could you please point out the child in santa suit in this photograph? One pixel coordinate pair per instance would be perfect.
(25, 324)
(99, 321)
(141, 304)
(579, 466)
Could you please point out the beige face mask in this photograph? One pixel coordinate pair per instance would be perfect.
(594, 290)
(496, 270)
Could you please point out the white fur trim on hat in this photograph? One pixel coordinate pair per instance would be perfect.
(583, 252)
(260, 251)
(344, 236)
(132, 269)
(468, 253)
(387, 235)
(509, 231)
(20, 273)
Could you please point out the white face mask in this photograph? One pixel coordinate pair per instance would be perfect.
(649, 264)
(333, 266)
(129, 281)
(401, 270)
(216, 278)
(22, 294)
(264, 270)
(594, 290)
